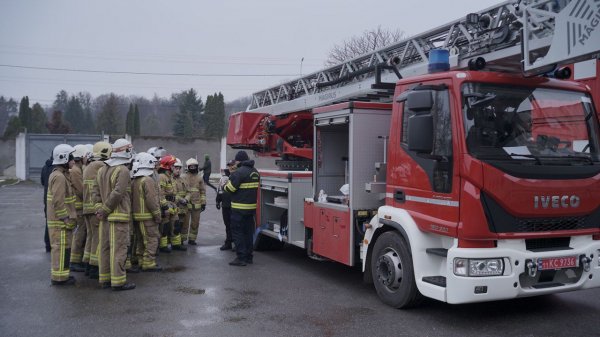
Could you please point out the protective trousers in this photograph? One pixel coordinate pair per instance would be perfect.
(132, 249)
(114, 239)
(192, 217)
(79, 237)
(175, 236)
(150, 237)
(94, 237)
(167, 230)
(88, 240)
(60, 253)
(226, 212)
(242, 230)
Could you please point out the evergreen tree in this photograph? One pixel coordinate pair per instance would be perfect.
(188, 121)
(38, 119)
(74, 115)
(220, 116)
(214, 115)
(85, 99)
(129, 120)
(13, 128)
(57, 125)
(108, 121)
(25, 113)
(136, 121)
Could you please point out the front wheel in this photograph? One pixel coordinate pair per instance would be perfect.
(393, 272)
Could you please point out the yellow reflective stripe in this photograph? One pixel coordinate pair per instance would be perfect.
(61, 213)
(118, 216)
(249, 185)
(142, 216)
(113, 176)
(242, 206)
(229, 187)
(55, 224)
(193, 189)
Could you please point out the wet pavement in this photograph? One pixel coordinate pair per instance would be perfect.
(282, 294)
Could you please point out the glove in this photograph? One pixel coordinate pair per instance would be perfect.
(202, 208)
(163, 210)
(218, 205)
(183, 201)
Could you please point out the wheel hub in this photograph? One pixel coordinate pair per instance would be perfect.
(389, 269)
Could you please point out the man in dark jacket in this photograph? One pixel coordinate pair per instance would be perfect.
(46, 170)
(243, 185)
(223, 202)
(206, 170)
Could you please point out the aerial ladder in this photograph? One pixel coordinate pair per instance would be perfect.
(533, 37)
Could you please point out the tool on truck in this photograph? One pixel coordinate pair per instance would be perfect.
(470, 157)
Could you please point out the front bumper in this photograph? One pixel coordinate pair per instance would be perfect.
(516, 281)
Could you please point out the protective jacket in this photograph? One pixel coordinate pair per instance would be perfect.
(76, 178)
(112, 193)
(89, 177)
(60, 200)
(145, 200)
(223, 196)
(180, 194)
(196, 192)
(243, 184)
(167, 192)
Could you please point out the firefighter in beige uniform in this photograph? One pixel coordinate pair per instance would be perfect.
(101, 151)
(167, 205)
(80, 231)
(180, 194)
(61, 215)
(196, 197)
(112, 193)
(146, 210)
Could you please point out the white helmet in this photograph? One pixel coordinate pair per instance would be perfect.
(191, 162)
(121, 152)
(80, 151)
(90, 150)
(157, 151)
(145, 160)
(61, 154)
(134, 168)
(177, 163)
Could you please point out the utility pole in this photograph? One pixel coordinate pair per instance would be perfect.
(301, 61)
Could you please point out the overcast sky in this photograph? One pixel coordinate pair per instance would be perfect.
(226, 37)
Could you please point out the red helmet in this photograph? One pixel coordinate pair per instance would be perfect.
(167, 162)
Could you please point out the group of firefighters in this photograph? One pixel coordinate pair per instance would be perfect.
(110, 211)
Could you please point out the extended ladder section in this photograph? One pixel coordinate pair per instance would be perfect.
(530, 36)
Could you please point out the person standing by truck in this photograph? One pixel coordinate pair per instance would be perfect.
(206, 170)
(223, 202)
(243, 185)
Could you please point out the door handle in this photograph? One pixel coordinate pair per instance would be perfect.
(399, 196)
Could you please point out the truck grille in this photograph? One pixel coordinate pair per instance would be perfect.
(549, 224)
(547, 244)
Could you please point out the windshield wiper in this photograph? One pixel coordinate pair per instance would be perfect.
(584, 158)
(536, 158)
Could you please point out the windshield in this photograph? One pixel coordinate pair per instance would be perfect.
(538, 125)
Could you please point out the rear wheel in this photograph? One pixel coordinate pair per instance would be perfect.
(393, 272)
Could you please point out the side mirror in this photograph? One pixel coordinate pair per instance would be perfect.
(420, 101)
(420, 134)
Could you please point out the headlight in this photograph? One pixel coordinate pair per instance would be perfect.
(478, 267)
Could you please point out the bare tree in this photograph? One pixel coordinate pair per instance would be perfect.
(368, 41)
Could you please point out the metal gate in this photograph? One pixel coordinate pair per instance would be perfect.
(32, 151)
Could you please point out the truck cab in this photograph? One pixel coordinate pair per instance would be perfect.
(491, 190)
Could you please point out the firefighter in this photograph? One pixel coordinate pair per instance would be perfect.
(223, 202)
(180, 197)
(196, 196)
(112, 193)
(243, 185)
(61, 215)
(167, 204)
(79, 262)
(146, 210)
(101, 151)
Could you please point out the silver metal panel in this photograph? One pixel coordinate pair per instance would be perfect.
(366, 148)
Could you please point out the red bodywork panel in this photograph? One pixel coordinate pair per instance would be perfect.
(331, 231)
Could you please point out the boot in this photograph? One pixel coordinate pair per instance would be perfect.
(237, 262)
(68, 282)
(165, 250)
(180, 247)
(77, 267)
(94, 272)
(134, 269)
(88, 267)
(105, 285)
(126, 286)
(192, 242)
(226, 246)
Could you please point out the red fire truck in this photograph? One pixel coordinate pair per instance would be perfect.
(461, 165)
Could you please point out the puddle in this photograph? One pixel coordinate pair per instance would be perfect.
(189, 290)
(174, 269)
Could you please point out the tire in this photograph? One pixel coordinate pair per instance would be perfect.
(393, 273)
(263, 242)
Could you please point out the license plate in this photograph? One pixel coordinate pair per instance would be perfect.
(557, 262)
